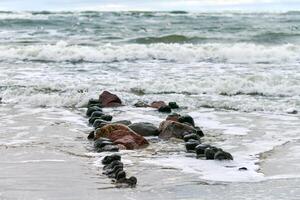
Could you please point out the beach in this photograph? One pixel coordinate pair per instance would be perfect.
(236, 74)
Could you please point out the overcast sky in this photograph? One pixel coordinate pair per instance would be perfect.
(116, 5)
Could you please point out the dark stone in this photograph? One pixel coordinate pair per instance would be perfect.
(114, 169)
(144, 129)
(141, 104)
(93, 102)
(93, 119)
(106, 117)
(191, 145)
(98, 123)
(243, 169)
(166, 109)
(200, 149)
(132, 181)
(186, 119)
(210, 152)
(223, 155)
(108, 99)
(102, 142)
(109, 159)
(112, 164)
(292, 112)
(124, 122)
(199, 132)
(189, 136)
(120, 175)
(91, 135)
(97, 114)
(173, 105)
(92, 109)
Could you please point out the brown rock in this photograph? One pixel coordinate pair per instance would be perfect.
(169, 129)
(122, 135)
(108, 99)
(173, 117)
(158, 104)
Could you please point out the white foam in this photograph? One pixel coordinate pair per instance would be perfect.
(225, 171)
(186, 53)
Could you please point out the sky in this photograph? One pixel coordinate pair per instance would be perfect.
(149, 5)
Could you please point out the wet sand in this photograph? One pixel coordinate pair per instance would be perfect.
(45, 155)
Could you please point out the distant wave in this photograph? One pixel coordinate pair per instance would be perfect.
(210, 52)
(166, 39)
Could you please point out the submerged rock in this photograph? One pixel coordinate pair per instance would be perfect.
(210, 152)
(91, 135)
(200, 149)
(189, 136)
(186, 119)
(169, 129)
(223, 155)
(92, 109)
(108, 99)
(191, 145)
(121, 134)
(98, 123)
(144, 129)
(166, 109)
(173, 105)
(93, 102)
(109, 159)
(141, 104)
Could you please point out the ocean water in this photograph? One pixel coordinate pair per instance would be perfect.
(237, 74)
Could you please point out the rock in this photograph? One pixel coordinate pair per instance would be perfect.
(93, 102)
(169, 129)
(243, 169)
(114, 169)
(108, 99)
(191, 145)
(292, 111)
(200, 149)
(111, 165)
(186, 119)
(98, 123)
(121, 134)
(92, 109)
(223, 155)
(106, 117)
(199, 132)
(144, 129)
(141, 104)
(101, 142)
(97, 114)
(173, 105)
(109, 159)
(120, 175)
(93, 119)
(173, 117)
(166, 109)
(189, 136)
(130, 182)
(91, 135)
(124, 122)
(158, 104)
(210, 152)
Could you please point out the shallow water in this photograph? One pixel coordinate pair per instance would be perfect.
(237, 75)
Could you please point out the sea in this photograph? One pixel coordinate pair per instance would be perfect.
(236, 73)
